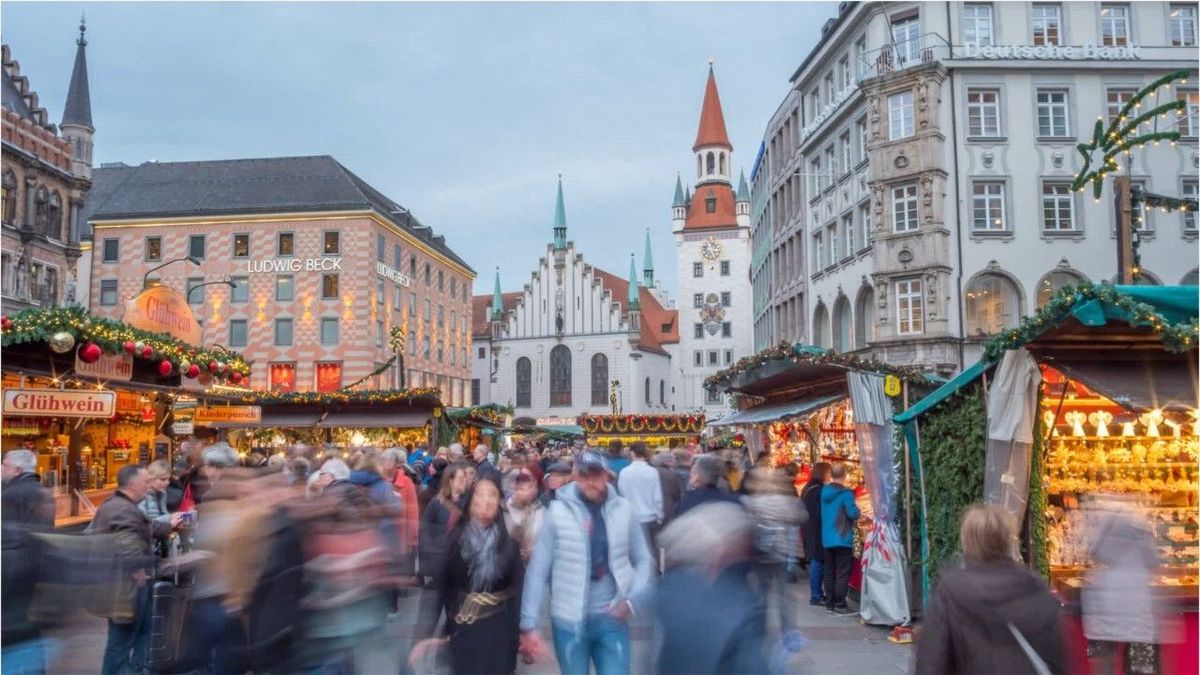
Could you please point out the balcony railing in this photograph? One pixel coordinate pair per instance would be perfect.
(927, 48)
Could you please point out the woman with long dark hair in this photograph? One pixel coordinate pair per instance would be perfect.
(439, 518)
(478, 589)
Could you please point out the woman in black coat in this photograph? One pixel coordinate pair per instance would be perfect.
(479, 590)
(438, 519)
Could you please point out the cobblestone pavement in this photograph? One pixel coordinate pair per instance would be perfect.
(836, 645)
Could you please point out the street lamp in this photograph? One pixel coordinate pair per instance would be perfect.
(146, 277)
(227, 282)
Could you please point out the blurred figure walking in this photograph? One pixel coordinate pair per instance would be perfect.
(439, 518)
(640, 484)
(28, 509)
(777, 511)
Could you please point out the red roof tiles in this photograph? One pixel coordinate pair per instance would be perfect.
(723, 215)
(712, 120)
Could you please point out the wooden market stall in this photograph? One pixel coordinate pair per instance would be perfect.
(654, 430)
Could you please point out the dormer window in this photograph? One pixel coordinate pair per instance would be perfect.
(710, 203)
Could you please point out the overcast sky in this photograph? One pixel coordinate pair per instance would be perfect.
(463, 113)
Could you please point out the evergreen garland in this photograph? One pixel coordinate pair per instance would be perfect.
(1037, 495)
(805, 354)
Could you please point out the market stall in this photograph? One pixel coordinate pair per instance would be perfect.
(90, 396)
(804, 405)
(656, 431)
(1093, 396)
(473, 426)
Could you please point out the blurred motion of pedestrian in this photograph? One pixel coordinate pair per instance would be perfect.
(394, 466)
(776, 510)
(27, 509)
(483, 464)
(838, 513)
(673, 484)
(810, 532)
(558, 474)
(704, 481)
(439, 518)
(992, 615)
(523, 512)
(640, 484)
(712, 618)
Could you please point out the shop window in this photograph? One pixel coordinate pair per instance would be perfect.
(329, 376)
(283, 377)
(332, 243)
(1054, 282)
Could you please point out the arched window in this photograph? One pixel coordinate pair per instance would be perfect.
(841, 324)
(1191, 278)
(647, 391)
(599, 379)
(9, 210)
(722, 163)
(993, 304)
(711, 162)
(820, 336)
(699, 166)
(524, 383)
(864, 318)
(54, 217)
(560, 376)
(1053, 283)
(662, 392)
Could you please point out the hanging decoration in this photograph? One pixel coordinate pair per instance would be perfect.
(805, 354)
(642, 424)
(62, 342)
(422, 395)
(90, 353)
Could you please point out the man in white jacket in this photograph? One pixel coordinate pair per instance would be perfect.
(641, 484)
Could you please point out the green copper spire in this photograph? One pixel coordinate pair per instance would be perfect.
(679, 200)
(560, 219)
(497, 300)
(648, 264)
(634, 303)
(743, 193)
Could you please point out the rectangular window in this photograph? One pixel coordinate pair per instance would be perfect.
(285, 288)
(861, 126)
(332, 243)
(1047, 24)
(848, 236)
(860, 52)
(906, 38)
(399, 299)
(977, 25)
(1189, 117)
(196, 246)
(397, 256)
(900, 115)
(726, 299)
(428, 310)
(712, 397)
(698, 331)
(831, 240)
(831, 162)
(1115, 100)
(112, 250)
(904, 208)
(441, 316)
(1143, 221)
(237, 333)
(1058, 207)
(983, 112)
(910, 307)
(441, 281)
(844, 72)
(698, 358)
(412, 304)
(697, 300)
(726, 329)
(194, 297)
(329, 286)
(987, 206)
(1190, 189)
(1183, 25)
(728, 356)
(282, 377)
(475, 391)
(283, 332)
(866, 221)
(724, 268)
(818, 253)
(108, 292)
(241, 289)
(847, 152)
(241, 246)
(697, 270)
(285, 244)
(380, 331)
(381, 248)
(153, 249)
(1052, 113)
(815, 179)
(428, 275)
(380, 292)
(1114, 25)
(714, 357)
(828, 88)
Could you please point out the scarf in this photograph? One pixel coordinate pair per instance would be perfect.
(481, 552)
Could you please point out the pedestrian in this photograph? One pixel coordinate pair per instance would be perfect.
(479, 590)
(154, 504)
(616, 459)
(26, 509)
(810, 532)
(777, 510)
(640, 484)
(434, 485)
(455, 453)
(523, 512)
(673, 484)
(368, 474)
(704, 479)
(712, 618)
(440, 516)
(483, 464)
(558, 474)
(838, 513)
(592, 556)
(992, 615)
(394, 467)
(128, 624)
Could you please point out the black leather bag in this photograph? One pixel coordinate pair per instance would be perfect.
(167, 648)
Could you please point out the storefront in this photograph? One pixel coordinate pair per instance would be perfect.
(473, 426)
(90, 396)
(656, 431)
(1091, 401)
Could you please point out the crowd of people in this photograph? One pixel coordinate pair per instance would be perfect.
(295, 562)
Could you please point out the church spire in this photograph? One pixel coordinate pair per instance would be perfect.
(712, 119)
(560, 219)
(634, 302)
(680, 200)
(497, 300)
(743, 193)
(648, 264)
(78, 111)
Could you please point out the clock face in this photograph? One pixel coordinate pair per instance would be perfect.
(711, 249)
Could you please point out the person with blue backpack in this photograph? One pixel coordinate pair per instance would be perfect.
(838, 513)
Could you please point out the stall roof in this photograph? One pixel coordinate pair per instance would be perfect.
(796, 370)
(776, 411)
(943, 392)
(373, 419)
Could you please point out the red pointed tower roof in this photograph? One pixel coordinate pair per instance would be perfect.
(712, 120)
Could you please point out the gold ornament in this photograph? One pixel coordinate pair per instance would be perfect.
(62, 342)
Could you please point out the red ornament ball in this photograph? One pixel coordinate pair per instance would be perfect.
(165, 367)
(5, 322)
(235, 377)
(90, 353)
(130, 347)
(213, 366)
(193, 371)
(147, 352)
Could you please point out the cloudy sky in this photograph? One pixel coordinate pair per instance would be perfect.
(464, 113)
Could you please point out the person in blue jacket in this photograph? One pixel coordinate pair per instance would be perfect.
(838, 513)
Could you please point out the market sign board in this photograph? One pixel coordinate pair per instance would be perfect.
(109, 367)
(162, 309)
(59, 403)
(239, 414)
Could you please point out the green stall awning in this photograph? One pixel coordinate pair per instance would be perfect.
(776, 411)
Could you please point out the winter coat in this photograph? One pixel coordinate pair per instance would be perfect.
(966, 628)
(435, 528)
(776, 518)
(672, 491)
(710, 626)
(27, 509)
(838, 513)
(486, 469)
(810, 532)
(383, 494)
(702, 495)
(119, 515)
(1118, 605)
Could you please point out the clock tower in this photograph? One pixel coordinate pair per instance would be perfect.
(712, 246)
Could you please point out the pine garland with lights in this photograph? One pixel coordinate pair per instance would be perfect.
(487, 414)
(642, 424)
(805, 354)
(1175, 337)
(385, 396)
(114, 337)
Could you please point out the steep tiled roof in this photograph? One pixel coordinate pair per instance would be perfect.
(481, 312)
(698, 217)
(654, 315)
(712, 119)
